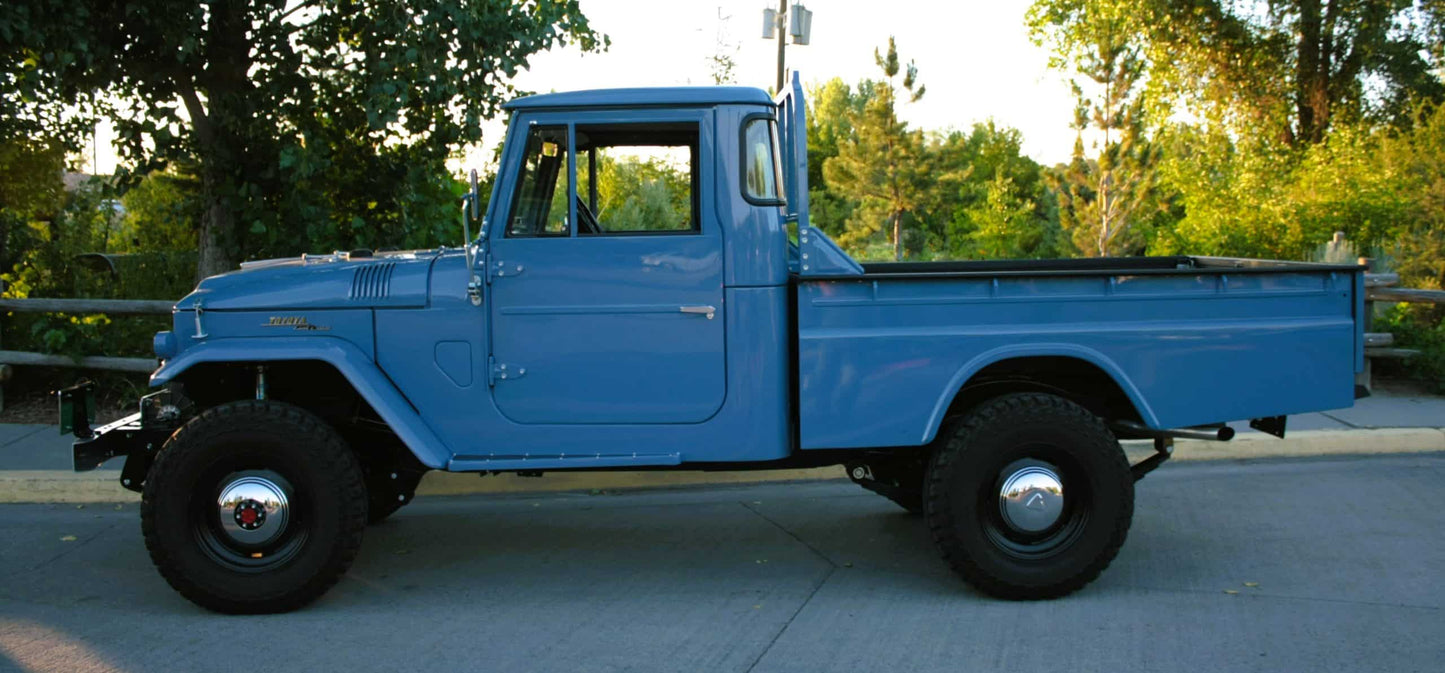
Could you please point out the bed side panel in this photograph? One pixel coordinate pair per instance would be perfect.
(879, 359)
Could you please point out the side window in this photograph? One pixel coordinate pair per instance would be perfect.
(539, 207)
(762, 175)
(637, 179)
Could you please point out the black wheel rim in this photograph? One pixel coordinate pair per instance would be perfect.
(1057, 537)
(239, 525)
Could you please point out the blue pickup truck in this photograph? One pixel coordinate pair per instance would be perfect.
(644, 292)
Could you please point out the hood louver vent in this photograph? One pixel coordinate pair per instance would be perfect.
(372, 281)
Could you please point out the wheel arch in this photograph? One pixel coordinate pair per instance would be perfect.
(351, 365)
(1074, 372)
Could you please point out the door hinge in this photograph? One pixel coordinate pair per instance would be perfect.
(501, 371)
(497, 268)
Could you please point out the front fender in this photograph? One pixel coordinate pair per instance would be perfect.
(359, 370)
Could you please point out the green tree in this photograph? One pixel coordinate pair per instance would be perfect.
(832, 108)
(1266, 200)
(361, 100)
(882, 163)
(1005, 225)
(1100, 196)
(1283, 69)
(31, 187)
(162, 213)
(639, 194)
(1418, 157)
(967, 169)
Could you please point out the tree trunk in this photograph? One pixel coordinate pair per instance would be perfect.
(217, 223)
(1312, 77)
(897, 237)
(221, 147)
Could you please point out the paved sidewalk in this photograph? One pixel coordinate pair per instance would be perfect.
(35, 460)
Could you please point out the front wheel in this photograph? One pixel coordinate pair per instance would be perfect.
(254, 507)
(1030, 497)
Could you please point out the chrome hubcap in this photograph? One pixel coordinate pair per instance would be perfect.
(253, 509)
(1031, 499)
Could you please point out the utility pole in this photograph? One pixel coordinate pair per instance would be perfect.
(798, 23)
(782, 17)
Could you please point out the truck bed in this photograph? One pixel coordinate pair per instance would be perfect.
(1094, 265)
(1189, 340)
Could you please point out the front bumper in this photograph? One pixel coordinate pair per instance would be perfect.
(137, 437)
(109, 441)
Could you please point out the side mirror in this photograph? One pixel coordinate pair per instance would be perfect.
(471, 212)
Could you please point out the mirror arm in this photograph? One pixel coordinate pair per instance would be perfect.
(470, 207)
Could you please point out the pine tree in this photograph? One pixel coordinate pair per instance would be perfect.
(883, 162)
(1101, 196)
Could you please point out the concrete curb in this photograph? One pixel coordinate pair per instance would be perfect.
(56, 486)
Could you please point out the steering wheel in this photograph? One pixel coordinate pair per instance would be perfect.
(586, 221)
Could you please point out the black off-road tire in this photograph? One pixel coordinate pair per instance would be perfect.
(283, 444)
(963, 508)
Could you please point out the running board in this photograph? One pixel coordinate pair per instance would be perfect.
(534, 462)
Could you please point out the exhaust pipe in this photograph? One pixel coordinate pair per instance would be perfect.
(1136, 430)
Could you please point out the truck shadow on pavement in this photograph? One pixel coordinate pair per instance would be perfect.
(460, 551)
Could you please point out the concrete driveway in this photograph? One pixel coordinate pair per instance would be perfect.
(1312, 565)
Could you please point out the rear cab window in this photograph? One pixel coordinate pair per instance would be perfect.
(762, 177)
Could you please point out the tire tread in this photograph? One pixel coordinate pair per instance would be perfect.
(1032, 407)
(340, 471)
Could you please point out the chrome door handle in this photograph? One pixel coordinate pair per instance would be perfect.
(699, 310)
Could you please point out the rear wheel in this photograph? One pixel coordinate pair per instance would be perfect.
(254, 507)
(1030, 497)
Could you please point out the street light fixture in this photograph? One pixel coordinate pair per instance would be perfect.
(800, 26)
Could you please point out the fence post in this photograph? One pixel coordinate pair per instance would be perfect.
(1365, 378)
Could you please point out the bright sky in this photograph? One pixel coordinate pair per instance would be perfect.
(975, 58)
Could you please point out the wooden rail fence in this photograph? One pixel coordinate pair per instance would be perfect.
(1379, 287)
(80, 306)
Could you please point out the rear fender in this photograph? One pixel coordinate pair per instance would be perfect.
(370, 383)
(977, 364)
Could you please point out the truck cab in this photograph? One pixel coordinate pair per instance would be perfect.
(627, 272)
(645, 291)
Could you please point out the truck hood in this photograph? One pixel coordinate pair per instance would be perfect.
(338, 280)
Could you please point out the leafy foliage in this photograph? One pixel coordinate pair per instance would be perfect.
(640, 194)
(1005, 226)
(1381, 187)
(1421, 328)
(1101, 196)
(321, 121)
(1284, 70)
(881, 163)
(832, 108)
(981, 175)
(89, 222)
(31, 187)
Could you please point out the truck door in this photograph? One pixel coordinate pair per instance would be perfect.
(606, 275)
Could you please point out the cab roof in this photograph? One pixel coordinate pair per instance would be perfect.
(652, 96)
